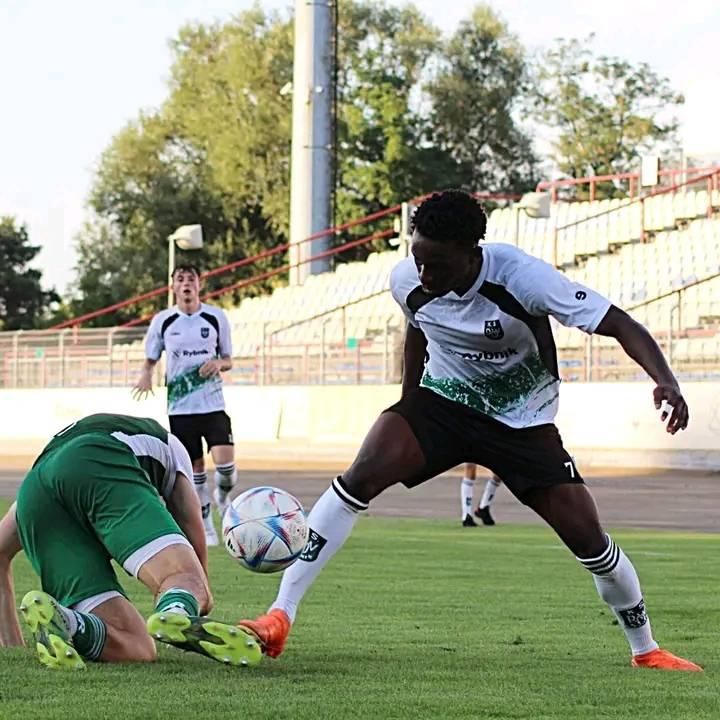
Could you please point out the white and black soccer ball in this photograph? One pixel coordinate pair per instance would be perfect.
(265, 529)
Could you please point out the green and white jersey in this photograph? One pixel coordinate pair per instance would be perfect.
(189, 341)
(492, 348)
(160, 454)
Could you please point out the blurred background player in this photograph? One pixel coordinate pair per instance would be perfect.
(198, 347)
(93, 495)
(467, 489)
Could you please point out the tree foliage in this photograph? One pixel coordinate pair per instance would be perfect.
(605, 111)
(415, 112)
(474, 100)
(23, 302)
(216, 153)
(382, 55)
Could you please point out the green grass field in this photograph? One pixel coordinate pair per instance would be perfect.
(422, 619)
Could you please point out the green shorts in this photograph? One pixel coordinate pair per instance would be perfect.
(83, 505)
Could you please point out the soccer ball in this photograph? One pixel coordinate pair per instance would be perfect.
(265, 529)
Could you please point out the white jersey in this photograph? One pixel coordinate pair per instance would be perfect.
(492, 348)
(190, 341)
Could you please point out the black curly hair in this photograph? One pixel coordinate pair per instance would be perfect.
(451, 216)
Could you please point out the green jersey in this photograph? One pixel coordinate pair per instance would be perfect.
(95, 494)
(160, 454)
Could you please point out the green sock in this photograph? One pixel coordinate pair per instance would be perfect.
(177, 600)
(90, 636)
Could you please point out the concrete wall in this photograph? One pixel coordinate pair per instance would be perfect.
(601, 423)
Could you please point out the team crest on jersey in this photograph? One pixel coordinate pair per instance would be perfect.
(205, 332)
(493, 330)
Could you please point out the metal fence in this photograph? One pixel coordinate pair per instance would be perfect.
(342, 345)
(104, 357)
(265, 354)
(326, 352)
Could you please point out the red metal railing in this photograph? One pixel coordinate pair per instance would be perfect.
(633, 179)
(276, 271)
(163, 289)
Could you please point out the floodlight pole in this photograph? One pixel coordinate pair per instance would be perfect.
(171, 267)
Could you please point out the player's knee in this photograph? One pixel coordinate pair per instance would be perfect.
(143, 649)
(146, 651)
(123, 646)
(588, 542)
(360, 481)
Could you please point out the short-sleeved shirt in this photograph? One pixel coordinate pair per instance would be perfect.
(160, 454)
(189, 341)
(492, 348)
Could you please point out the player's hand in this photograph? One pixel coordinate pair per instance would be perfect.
(142, 388)
(210, 368)
(671, 403)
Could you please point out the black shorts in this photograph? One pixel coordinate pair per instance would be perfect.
(450, 433)
(191, 429)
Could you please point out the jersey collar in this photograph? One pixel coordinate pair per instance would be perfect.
(479, 280)
(182, 312)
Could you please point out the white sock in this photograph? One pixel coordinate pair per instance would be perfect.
(331, 521)
(203, 493)
(71, 617)
(467, 487)
(488, 495)
(224, 479)
(618, 585)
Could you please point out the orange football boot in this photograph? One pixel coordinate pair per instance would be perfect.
(663, 660)
(271, 630)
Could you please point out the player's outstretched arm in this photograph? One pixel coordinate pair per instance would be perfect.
(184, 506)
(413, 358)
(143, 386)
(640, 345)
(10, 634)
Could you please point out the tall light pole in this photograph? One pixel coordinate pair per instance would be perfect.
(536, 205)
(186, 237)
(313, 124)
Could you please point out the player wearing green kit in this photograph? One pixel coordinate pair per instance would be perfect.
(112, 487)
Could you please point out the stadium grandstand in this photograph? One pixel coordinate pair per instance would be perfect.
(655, 253)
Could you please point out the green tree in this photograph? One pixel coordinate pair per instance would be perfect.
(23, 302)
(606, 111)
(383, 52)
(474, 96)
(215, 153)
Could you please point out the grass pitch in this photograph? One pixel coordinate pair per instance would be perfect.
(421, 619)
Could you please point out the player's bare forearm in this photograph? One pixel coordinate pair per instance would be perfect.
(215, 366)
(638, 343)
(184, 506)
(147, 368)
(414, 358)
(10, 634)
(143, 386)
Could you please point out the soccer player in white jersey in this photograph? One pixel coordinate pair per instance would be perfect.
(467, 490)
(481, 385)
(197, 344)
